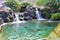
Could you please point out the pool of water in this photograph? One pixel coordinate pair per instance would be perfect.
(31, 30)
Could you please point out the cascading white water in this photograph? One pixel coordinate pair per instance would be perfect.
(38, 14)
(16, 19)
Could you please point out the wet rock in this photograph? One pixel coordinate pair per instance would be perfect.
(30, 12)
(11, 18)
(6, 13)
(25, 14)
(1, 21)
(6, 16)
(21, 19)
(6, 20)
(28, 18)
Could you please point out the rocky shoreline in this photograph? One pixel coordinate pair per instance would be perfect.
(2, 25)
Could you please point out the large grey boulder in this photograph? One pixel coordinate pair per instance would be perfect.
(30, 12)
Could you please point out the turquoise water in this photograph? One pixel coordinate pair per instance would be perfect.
(31, 30)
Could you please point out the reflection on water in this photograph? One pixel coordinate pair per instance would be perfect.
(32, 30)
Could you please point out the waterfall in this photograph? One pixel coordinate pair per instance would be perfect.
(38, 14)
(16, 19)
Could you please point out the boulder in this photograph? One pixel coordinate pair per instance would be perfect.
(30, 12)
(25, 14)
(28, 18)
(1, 21)
(6, 20)
(6, 16)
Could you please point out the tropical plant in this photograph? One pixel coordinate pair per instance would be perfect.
(41, 2)
(55, 16)
(54, 6)
(24, 5)
(13, 4)
(46, 13)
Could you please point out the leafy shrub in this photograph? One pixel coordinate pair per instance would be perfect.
(55, 16)
(13, 4)
(24, 5)
(41, 2)
(46, 13)
(48, 16)
(54, 6)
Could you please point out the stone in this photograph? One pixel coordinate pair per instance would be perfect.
(28, 18)
(1, 21)
(30, 12)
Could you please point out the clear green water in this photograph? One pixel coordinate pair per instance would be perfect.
(31, 30)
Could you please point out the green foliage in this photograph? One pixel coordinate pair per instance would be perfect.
(25, 4)
(13, 4)
(46, 13)
(58, 0)
(55, 16)
(41, 2)
(54, 6)
(51, 7)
